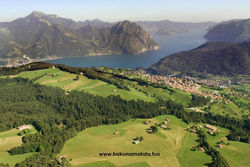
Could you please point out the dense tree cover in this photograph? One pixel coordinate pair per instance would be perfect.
(217, 159)
(197, 101)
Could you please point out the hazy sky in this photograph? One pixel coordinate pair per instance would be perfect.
(114, 10)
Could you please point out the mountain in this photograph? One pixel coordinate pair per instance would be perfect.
(211, 57)
(166, 27)
(41, 36)
(230, 31)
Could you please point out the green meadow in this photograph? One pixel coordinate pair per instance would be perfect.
(65, 80)
(235, 153)
(8, 140)
(173, 145)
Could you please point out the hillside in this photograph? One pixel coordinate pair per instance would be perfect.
(167, 27)
(230, 31)
(211, 57)
(72, 109)
(43, 36)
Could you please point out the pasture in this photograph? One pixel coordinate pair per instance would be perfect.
(8, 140)
(66, 81)
(83, 150)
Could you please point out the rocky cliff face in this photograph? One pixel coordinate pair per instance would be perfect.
(131, 38)
(231, 31)
(39, 36)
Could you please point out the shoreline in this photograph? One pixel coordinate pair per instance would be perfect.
(16, 62)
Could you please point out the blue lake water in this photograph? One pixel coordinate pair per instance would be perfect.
(169, 45)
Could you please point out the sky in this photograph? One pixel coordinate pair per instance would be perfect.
(134, 10)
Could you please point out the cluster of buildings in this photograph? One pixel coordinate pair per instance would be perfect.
(186, 84)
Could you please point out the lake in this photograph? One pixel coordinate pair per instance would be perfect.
(169, 45)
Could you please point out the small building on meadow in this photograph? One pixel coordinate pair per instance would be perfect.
(116, 133)
(22, 127)
(164, 127)
(220, 146)
(149, 131)
(136, 142)
(211, 127)
(202, 149)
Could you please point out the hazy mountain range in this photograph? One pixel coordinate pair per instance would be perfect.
(39, 35)
(230, 31)
(166, 27)
(211, 57)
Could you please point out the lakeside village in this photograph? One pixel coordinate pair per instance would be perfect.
(187, 84)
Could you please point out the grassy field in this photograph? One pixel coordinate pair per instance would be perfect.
(189, 158)
(8, 140)
(171, 144)
(65, 80)
(236, 153)
(176, 95)
(224, 109)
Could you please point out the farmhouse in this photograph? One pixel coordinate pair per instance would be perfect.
(164, 127)
(211, 132)
(202, 149)
(220, 146)
(210, 127)
(136, 142)
(116, 132)
(149, 131)
(193, 131)
(22, 127)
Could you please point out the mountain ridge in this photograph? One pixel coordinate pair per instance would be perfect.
(235, 31)
(210, 58)
(38, 36)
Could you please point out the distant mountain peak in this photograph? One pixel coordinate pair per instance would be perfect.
(42, 14)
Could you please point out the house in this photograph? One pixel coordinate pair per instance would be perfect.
(220, 146)
(211, 132)
(22, 127)
(164, 127)
(116, 132)
(136, 142)
(210, 127)
(193, 131)
(202, 149)
(149, 131)
(146, 122)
